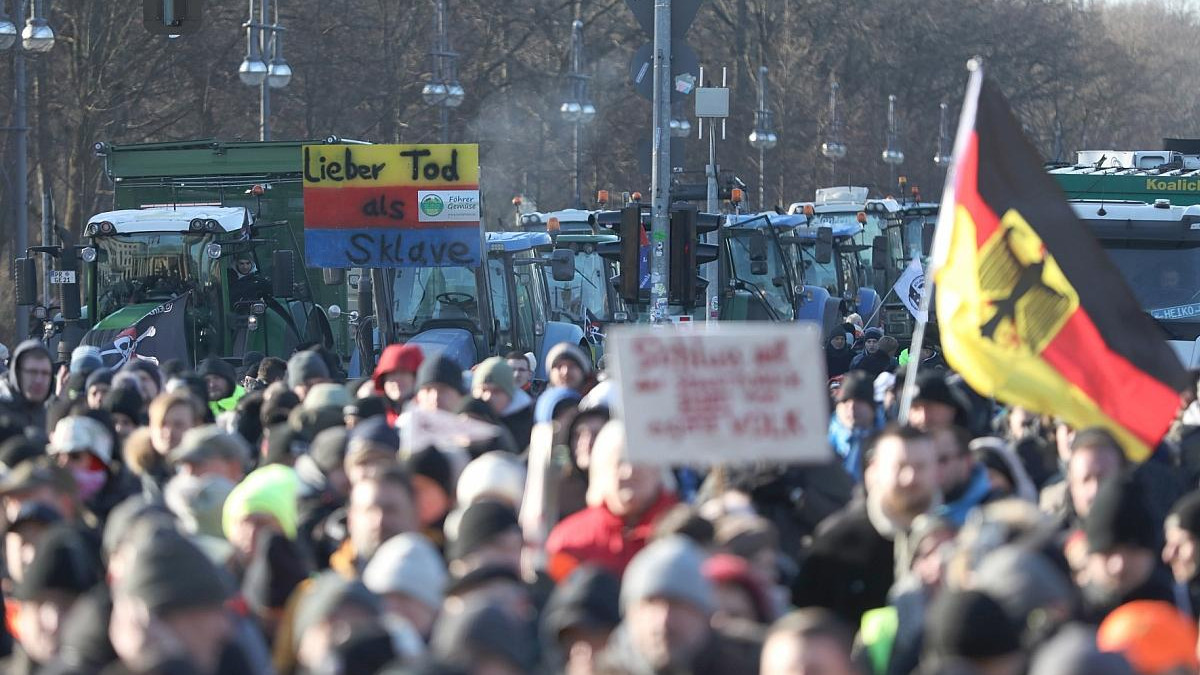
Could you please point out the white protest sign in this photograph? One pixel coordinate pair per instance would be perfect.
(443, 430)
(722, 393)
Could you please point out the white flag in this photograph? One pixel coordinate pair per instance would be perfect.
(909, 288)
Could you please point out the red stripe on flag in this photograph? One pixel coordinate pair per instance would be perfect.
(361, 207)
(967, 194)
(1125, 393)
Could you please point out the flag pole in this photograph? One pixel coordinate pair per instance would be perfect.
(941, 235)
(890, 293)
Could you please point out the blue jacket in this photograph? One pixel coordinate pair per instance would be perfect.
(977, 492)
(848, 443)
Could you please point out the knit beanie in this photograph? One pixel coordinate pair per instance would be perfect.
(440, 370)
(434, 465)
(570, 351)
(405, 358)
(374, 431)
(79, 433)
(725, 568)
(969, 625)
(493, 474)
(668, 568)
(209, 441)
(857, 385)
(198, 502)
(304, 366)
(99, 376)
(170, 573)
(124, 400)
(328, 449)
(496, 372)
(481, 630)
(587, 598)
(872, 333)
(482, 522)
(270, 490)
(85, 359)
(410, 565)
(1121, 515)
(328, 592)
(63, 562)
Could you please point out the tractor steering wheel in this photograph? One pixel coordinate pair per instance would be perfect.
(459, 300)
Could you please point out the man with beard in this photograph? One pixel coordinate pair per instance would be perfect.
(853, 558)
(873, 359)
(1182, 551)
(29, 383)
(1124, 547)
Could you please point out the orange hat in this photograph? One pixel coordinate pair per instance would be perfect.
(1153, 635)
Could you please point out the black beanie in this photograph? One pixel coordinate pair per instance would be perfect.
(328, 449)
(1186, 511)
(432, 464)
(277, 567)
(1121, 515)
(170, 573)
(478, 409)
(482, 522)
(587, 598)
(368, 406)
(969, 625)
(19, 449)
(440, 370)
(857, 385)
(367, 649)
(124, 400)
(63, 562)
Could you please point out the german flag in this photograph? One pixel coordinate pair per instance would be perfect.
(1031, 309)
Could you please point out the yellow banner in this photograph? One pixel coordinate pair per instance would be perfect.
(427, 165)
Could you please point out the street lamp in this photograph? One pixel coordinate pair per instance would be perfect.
(762, 138)
(833, 148)
(942, 159)
(36, 38)
(892, 155)
(264, 40)
(443, 89)
(577, 110)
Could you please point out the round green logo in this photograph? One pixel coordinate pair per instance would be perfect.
(432, 205)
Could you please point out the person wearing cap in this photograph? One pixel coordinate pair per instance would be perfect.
(409, 576)
(522, 365)
(25, 531)
(433, 487)
(220, 380)
(625, 501)
(63, 568)
(371, 447)
(306, 369)
(41, 481)
(667, 606)
(28, 383)
(395, 376)
(852, 562)
(381, 506)
(484, 638)
(488, 535)
(872, 359)
(168, 613)
(209, 449)
(97, 385)
(493, 383)
(84, 446)
(1181, 552)
(579, 617)
(838, 354)
(439, 384)
(568, 366)
(970, 630)
(149, 377)
(265, 501)
(329, 609)
(855, 417)
(1124, 542)
(811, 640)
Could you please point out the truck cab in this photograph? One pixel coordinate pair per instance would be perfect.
(760, 278)
(469, 314)
(1156, 247)
(588, 298)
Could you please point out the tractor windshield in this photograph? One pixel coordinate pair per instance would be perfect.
(137, 268)
(771, 286)
(1166, 281)
(587, 292)
(435, 293)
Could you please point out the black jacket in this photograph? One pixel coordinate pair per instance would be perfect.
(837, 361)
(850, 567)
(33, 413)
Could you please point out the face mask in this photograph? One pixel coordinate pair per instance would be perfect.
(89, 481)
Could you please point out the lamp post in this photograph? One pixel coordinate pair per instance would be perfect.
(443, 89)
(577, 110)
(762, 138)
(36, 38)
(264, 65)
(942, 159)
(833, 148)
(892, 155)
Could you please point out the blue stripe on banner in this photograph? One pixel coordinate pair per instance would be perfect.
(392, 247)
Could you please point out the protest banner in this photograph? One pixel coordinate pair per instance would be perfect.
(720, 393)
(391, 205)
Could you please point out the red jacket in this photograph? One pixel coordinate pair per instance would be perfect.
(595, 535)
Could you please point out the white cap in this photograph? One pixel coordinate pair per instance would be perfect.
(79, 434)
(408, 564)
(498, 475)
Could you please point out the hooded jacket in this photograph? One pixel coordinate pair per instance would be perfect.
(837, 361)
(978, 491)
(215, 365)
(11, 396)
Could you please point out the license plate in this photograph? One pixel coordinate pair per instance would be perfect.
(62, 276)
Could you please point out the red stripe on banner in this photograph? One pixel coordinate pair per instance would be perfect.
(1128, 395)
(967, 193)
(375, 207)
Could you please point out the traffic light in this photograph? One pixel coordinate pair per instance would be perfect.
(688, 252)
(631, 234)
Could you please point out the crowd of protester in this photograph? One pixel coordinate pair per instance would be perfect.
(275, 516)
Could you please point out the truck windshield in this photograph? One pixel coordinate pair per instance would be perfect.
(585, 292)
(773, 284)
(427, 293)
(1165, 281)
(136, 268)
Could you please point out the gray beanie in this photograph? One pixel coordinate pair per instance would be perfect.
(1023, 581)
(668, 568)
(571, 351)
(304, 366)
(409, 564)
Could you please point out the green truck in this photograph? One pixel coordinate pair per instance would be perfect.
(1131, 176)
(213, 228)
